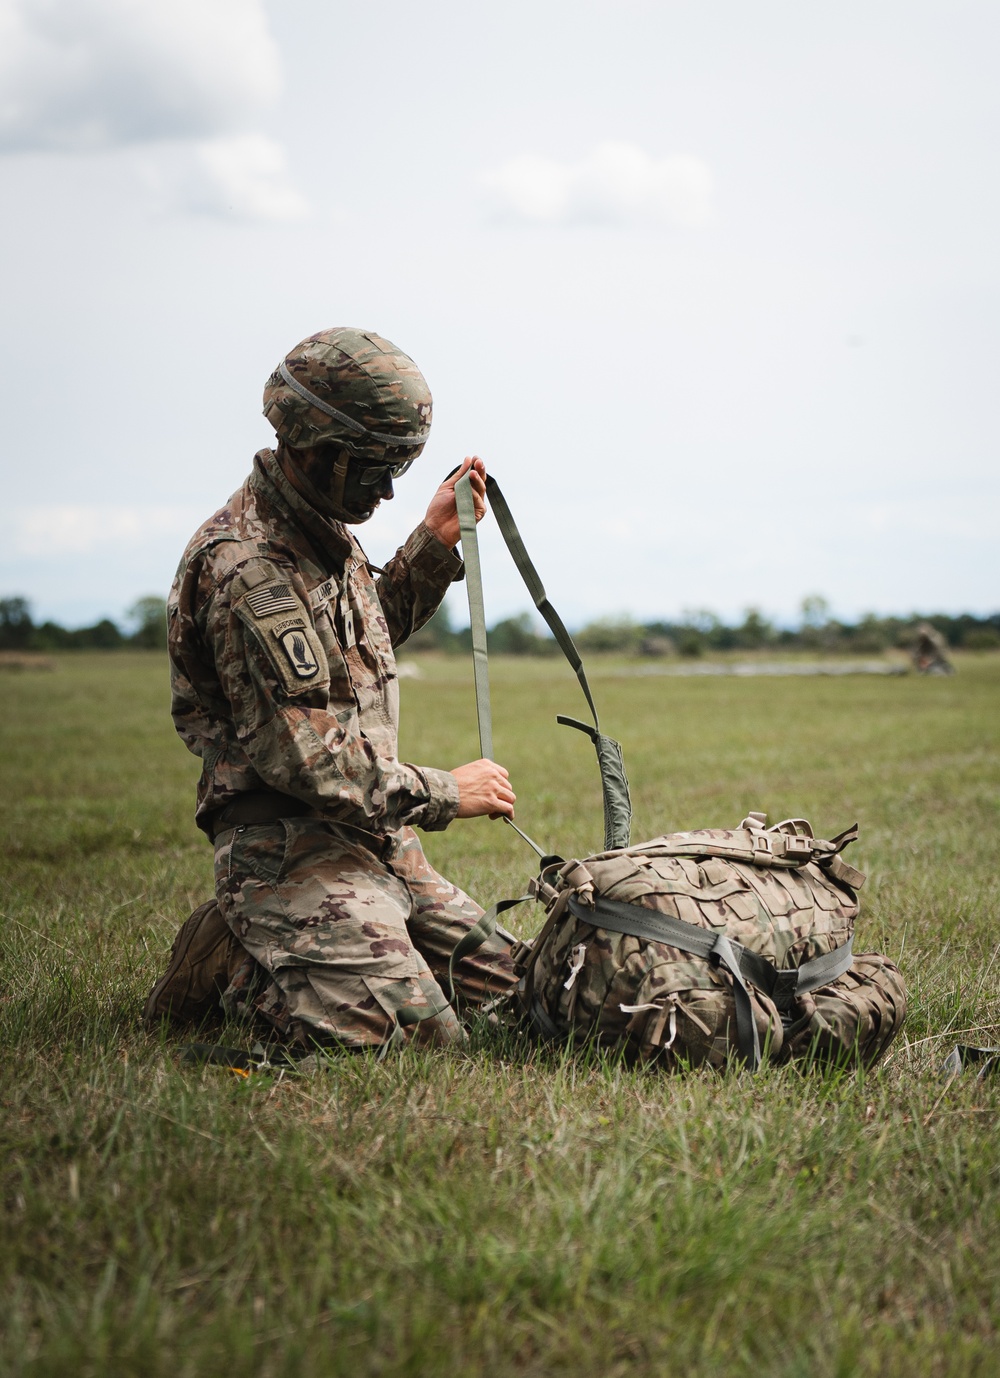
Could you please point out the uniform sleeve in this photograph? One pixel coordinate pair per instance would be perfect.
(415, 581)
(296, 717)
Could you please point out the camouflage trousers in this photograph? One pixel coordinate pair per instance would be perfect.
(344, 948)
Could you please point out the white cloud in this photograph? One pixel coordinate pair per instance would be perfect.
(84, 528)
(616, 183)
(86, 74)
(185, 79)
(240, 176)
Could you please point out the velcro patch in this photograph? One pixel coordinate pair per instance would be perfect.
(321, 595)
(296, 647)
(272, 598)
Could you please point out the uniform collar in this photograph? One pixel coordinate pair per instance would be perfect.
(327, 536)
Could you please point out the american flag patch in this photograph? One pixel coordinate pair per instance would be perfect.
(274, 598)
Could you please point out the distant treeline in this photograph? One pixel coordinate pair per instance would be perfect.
(699, 633)
(694, 634)
(146, 627)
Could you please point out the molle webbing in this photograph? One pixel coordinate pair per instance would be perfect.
(761, 847)
(775, 907)
(614, 784)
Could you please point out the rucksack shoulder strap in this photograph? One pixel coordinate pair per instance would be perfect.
(614, 783)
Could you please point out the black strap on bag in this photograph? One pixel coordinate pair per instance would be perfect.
(614, 783)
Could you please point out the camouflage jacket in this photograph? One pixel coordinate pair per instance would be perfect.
(282, 668)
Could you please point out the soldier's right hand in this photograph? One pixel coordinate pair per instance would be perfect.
(484, 789)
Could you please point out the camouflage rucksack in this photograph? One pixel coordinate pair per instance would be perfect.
(694, 947)
(698, 947)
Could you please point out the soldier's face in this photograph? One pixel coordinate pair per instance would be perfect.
(361, 500)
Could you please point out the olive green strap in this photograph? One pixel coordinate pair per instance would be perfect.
(477, 622)
(477, 611)
(781, 984)
(484, 927)
(527, 571)
(614, 782)
(715, 947)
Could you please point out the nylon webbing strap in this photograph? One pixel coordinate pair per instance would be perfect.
(781, 984)
(484, 927)
(466, 508)
(477, 611)
(413, 1014)
(641, 922)
(820, 971)
(614, 783)
(527, 571)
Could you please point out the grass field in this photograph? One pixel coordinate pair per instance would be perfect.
(502, 1210)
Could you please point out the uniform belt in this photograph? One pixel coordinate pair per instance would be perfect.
(259, 806)
(269, 806)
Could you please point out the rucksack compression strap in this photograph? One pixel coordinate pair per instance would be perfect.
(781, 984)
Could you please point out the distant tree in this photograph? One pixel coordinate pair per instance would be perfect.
(691, 642)
(619, 634)
(16, 625)
(870, 635)
(435, 635)
(149, 618)
(714, 634)
(516, 636)
(815, 611)
(51, 637)
(102, 636)
(756, 630)
(701, 620)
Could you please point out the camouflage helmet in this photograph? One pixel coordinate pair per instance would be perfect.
(352, 387)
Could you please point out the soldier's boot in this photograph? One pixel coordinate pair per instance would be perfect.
(439, 1031)
(203, 958)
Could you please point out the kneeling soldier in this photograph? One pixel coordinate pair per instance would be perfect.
(330, 921)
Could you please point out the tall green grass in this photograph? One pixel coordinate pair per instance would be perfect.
(505, 1209)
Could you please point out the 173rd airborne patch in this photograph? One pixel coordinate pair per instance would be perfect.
(295, 647)
(279, 621)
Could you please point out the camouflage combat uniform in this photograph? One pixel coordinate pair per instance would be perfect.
(284, 680)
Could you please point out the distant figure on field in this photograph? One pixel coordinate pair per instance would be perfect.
(329, 920)
(930, 651)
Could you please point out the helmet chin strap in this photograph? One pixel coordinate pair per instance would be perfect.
(328, 504)
(339, 479)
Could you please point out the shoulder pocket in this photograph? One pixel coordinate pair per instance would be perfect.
(273, 611)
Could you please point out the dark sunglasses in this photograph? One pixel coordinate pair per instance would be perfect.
(371, 474)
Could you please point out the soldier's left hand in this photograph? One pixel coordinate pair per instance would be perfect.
(442, 514)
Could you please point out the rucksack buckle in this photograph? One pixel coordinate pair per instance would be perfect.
(796, 846)
(763, 848)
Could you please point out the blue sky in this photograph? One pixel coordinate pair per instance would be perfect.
(712, 287)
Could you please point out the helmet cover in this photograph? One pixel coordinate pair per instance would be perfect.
(350, 387)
